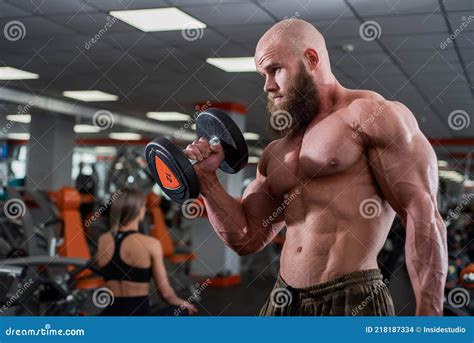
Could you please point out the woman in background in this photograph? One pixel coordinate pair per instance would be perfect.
(128, 260)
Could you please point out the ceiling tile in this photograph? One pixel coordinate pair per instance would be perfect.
(338, 27)
(229, 14)
(204, 38)
(465, 39)
(117, 5)
(45, 7)
(411, 24)
(7, 10)
(248, 34)
(308, 9)
(355, 60)
(458, 5)
(420, 41)
(433, 65)
(394, 7)
(461, 21)
(420, 56)
(34, 27)
(94, 24)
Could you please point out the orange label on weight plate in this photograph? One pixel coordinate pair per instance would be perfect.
(167, 178)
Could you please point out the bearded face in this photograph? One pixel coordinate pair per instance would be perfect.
(298, 107)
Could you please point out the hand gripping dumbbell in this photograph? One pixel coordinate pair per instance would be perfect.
(172, 169)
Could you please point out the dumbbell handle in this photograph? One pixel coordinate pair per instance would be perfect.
(213, 141)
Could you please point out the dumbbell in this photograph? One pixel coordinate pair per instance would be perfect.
(174, 172)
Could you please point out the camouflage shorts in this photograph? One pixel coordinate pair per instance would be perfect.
(361, 293)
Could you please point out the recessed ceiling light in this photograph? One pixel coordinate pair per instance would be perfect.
(105, 149)
(233, 64)
(253, 159)
(19, 136)
(451, 175)
(85, 128)
(20, 118)
(125, 136)
(90, 95)
(9, 73)
(158, 19)
(251, 136)
(168, 116)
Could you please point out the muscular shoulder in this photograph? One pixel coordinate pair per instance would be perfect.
(266, 154)
(379, 121)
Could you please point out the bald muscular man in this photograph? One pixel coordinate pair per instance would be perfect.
(346, 162)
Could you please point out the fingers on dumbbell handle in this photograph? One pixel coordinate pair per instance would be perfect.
(214, 141)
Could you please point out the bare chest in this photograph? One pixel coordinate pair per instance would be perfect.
(325, 150)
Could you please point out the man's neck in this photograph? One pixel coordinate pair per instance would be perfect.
(330, 93)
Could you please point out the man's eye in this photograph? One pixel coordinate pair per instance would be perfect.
(276, 69)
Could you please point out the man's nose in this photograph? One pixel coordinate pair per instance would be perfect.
(270, 85)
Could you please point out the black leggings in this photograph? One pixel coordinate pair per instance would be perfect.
(128, 306)
(138, 306)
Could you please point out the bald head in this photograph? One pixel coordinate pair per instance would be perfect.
(293, 59)
(295, 35)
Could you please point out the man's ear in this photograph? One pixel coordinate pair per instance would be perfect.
(312, 57)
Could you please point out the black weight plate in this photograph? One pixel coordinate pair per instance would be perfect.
(214, 122)
(172, 170)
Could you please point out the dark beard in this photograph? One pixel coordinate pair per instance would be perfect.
(300, 106)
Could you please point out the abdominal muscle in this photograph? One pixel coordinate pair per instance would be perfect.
(329, 244)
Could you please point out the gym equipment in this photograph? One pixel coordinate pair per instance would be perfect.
(174, 172)
(30, 289)
(127, 170)
(34, 230)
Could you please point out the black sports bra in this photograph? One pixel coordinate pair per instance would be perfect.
(117, 269)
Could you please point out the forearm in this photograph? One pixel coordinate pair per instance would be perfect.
(228, 218)
(427, 263)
